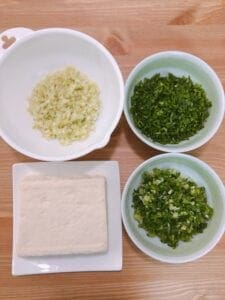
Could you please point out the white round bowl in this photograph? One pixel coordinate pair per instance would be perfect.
(180, 64)
(34, 56)
(201, 243)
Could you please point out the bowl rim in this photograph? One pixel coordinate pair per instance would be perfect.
(94, 146)
(148, 252)
(196, 60)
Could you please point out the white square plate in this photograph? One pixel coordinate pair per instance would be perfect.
(108, 261)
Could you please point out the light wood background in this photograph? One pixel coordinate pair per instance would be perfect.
(131, 30)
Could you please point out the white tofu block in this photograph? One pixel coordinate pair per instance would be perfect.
(59, 216)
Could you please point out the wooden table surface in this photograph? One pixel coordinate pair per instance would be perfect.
(131, 30)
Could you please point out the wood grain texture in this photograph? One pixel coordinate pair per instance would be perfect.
(131, 30)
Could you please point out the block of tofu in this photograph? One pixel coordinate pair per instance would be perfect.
(62, 215)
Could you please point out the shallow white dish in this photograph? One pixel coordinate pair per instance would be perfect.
(30, 59)
(109, 261)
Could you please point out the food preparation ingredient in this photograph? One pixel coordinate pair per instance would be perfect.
(65, 105)
(170, 206)
(169, 109)
(62, 215)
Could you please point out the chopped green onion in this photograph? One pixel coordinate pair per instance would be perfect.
(170, 206)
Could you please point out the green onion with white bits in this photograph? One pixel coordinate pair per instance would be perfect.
(170, 206)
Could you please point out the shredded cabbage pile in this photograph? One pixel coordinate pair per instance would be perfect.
(65, 105)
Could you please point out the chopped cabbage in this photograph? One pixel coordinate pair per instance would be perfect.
(65, 105)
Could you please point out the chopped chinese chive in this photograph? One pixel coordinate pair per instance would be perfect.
(169, 109)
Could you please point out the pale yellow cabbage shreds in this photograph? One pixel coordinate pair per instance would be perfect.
(65, 105)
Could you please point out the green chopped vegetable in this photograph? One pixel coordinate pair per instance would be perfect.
(169, 109)
(170, 206)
